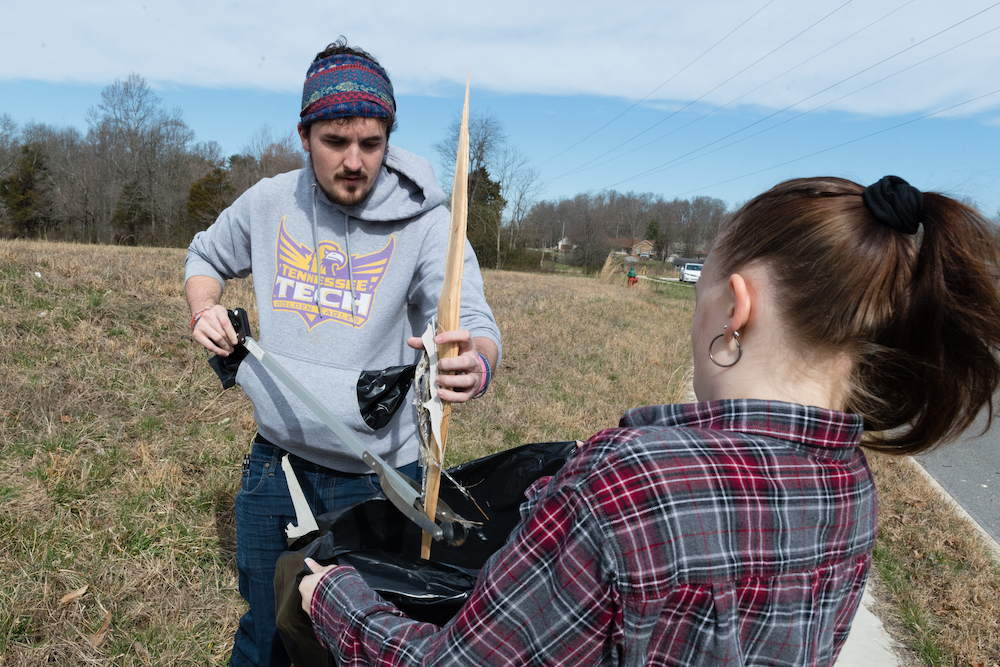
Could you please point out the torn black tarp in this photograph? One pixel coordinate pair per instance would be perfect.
(384, 547)
(226, 367)
(380, 393)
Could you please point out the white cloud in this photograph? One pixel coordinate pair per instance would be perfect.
(694, 50)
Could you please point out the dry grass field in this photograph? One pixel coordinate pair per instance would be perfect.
(120, 454)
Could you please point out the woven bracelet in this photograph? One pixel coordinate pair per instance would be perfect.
(487, 375)
(197, 316)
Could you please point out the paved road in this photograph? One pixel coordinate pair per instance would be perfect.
(970, 471)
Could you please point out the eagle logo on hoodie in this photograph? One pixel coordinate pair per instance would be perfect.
(326, 294)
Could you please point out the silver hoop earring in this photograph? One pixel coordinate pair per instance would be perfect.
(739, 350)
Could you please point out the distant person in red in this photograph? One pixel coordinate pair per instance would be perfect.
(737, 530)
(632, 279)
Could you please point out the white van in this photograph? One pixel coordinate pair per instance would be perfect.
(690, 273)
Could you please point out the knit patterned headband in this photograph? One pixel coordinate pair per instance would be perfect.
(346, 85)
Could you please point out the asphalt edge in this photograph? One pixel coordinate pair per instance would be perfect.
(987, 539)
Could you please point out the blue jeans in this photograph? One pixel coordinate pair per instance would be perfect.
(263, 509)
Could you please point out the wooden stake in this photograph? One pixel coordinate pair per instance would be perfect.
(449, 306)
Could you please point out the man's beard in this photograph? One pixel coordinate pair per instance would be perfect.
(350, 199)
(361, 191)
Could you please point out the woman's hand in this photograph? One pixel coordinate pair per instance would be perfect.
(309, 582)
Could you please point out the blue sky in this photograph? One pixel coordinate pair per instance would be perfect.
(678, 97)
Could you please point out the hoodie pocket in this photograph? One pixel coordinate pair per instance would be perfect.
(286, 415)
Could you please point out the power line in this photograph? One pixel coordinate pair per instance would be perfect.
(846, 143)
(780, 111)
(609, 69)
(584, 166)
(675, 162)
(674, 76)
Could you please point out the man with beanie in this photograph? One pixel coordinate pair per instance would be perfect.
(347, 257)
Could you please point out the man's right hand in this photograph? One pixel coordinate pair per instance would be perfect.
(215, 332)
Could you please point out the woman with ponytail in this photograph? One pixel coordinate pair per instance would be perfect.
(737, 530)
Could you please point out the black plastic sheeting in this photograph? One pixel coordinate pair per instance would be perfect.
(380, 393)
(226, 367)
(384, 547)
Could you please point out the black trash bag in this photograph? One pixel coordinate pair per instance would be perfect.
(384, 547)
(380, 393)
(226, 367)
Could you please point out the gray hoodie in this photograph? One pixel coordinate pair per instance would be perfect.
(391, 248)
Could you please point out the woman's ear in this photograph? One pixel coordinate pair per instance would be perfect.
(739, 310)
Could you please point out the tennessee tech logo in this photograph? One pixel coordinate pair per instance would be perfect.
(297, 282)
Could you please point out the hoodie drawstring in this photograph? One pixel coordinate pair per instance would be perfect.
(319, 308)
(350, 267)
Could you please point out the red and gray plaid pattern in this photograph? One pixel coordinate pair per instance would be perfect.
(724, 533)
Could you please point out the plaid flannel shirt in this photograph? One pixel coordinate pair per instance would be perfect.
(724, 533)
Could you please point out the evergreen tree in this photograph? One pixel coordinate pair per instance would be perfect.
(653, 234)
(24, 195)
(133, 218)
(485, 211)
(208, 197)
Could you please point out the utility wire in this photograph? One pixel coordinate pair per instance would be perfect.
(674, 76)
(676, 161)
(584, 166)
(846, 143)
(610, 68)
(791, 106)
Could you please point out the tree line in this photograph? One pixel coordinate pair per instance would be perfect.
(508, 224)
(136, 177)
(595, 224)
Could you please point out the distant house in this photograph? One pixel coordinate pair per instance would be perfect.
(678, 262)
(682, 254)
(642, 247)
(629, 246)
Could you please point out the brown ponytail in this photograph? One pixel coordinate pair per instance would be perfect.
(920, 314)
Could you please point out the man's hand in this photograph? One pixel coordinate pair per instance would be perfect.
(215, 332)
(309, 582)
(466, 366)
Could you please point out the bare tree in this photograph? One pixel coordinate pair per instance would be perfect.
(143, 147)
(8, 143)
(679, 218)
(544, 224)
(497, 162)
(520, 185)
(264, 156)
(632, 212)
(486, 141)
(72, 179)
(708, 214)
(590, 233)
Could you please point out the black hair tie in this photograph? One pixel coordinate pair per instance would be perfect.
(895, 203)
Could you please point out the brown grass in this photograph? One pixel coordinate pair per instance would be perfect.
(578, 352)
(938, 585)
(120, 453)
